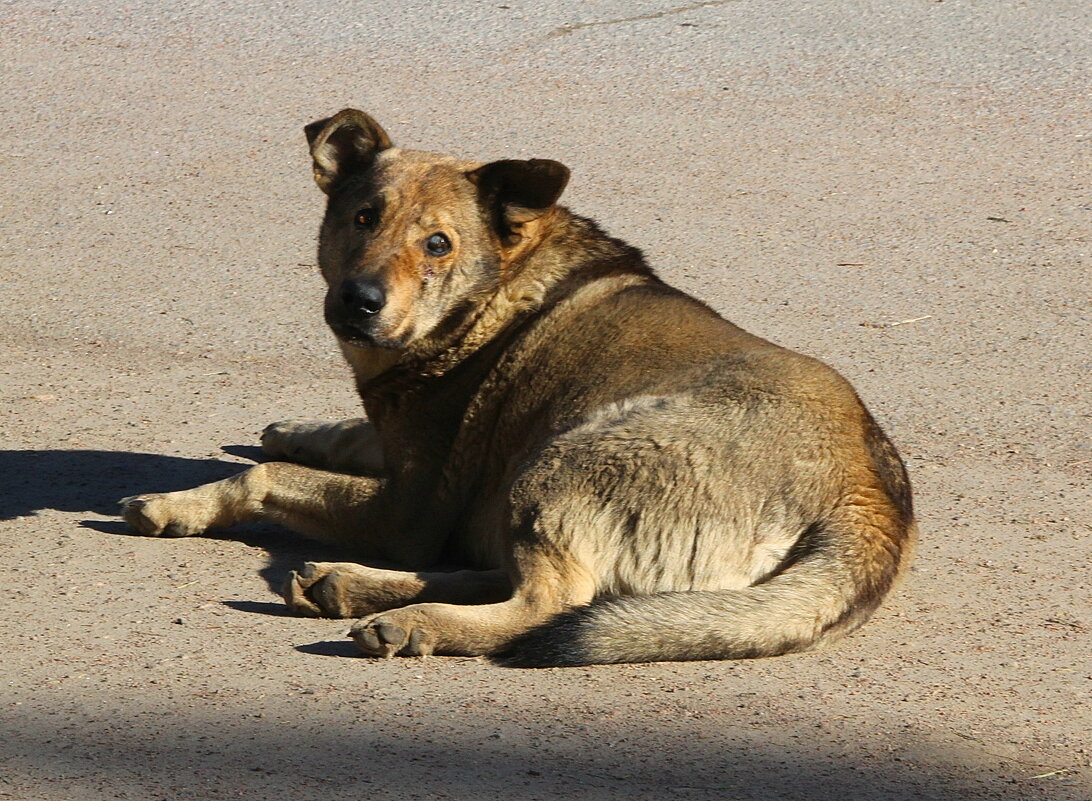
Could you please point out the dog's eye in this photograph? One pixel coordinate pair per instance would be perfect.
(438, 245)
(366, 218)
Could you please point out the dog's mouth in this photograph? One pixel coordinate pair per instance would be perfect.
(362, 338)
(350, 334)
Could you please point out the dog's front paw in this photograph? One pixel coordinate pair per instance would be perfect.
(397, 633)
(163, 515)
(289, 439)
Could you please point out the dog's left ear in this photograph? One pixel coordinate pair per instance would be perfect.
(342, 144)
(518, 191)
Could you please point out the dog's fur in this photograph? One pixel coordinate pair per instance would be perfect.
(629, 476)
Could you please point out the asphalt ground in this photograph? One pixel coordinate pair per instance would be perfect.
(901, 189)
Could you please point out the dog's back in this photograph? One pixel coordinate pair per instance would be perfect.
(729, 497)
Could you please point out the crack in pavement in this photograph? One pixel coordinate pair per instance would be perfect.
(565, 30)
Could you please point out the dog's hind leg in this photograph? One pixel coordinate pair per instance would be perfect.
(329, 507)
(344, 589)
(549, 584)
(348, 446)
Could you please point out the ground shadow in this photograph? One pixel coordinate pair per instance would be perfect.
(339, 648)
(486, 755)
(251, 452)
(260, 608)
(94, 481)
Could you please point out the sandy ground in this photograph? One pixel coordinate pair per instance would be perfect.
(899, 188)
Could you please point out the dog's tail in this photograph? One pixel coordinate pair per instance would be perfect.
(829, 585)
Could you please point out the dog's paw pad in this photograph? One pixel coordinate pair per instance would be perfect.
(327, 589)
(296, 597)
(314, 591)
(384, 635)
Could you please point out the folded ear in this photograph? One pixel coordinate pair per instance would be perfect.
(517, 191)
(343, 144)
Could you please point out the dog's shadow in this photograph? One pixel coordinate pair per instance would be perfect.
(94, 481)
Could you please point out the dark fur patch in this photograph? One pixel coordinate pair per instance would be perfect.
(555, 643)
(889, 468)
(810, 542)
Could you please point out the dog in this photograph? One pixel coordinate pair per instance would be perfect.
(622, 474)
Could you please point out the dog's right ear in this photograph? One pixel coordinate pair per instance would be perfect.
(343, 144)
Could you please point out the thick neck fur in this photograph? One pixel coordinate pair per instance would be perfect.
(557, 250)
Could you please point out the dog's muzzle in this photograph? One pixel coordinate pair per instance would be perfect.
(352, 309)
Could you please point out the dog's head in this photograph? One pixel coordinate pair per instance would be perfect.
(410, 238)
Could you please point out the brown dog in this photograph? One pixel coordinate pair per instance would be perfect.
(631, 477)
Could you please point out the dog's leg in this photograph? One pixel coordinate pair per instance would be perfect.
(344, 589)
(348, 446)
(329, 507)
(550, 584)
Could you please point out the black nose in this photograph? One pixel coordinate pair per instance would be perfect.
(362, 295)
